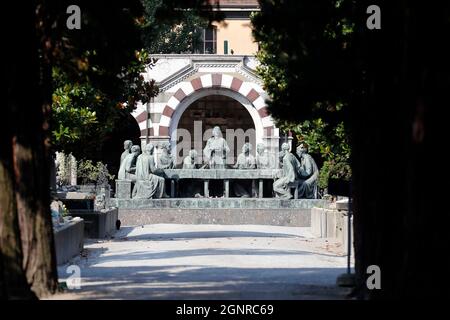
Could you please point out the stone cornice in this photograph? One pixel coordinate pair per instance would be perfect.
(177, 77)
(236, 63)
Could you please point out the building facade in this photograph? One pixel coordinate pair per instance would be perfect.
(216, 88)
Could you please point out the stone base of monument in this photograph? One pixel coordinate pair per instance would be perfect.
(98, 224)
(227, 211)
(69, 240)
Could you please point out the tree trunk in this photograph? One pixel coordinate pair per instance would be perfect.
(13, 283)
(399, 223)
(25, 168)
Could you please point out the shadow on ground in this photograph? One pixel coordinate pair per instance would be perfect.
(124, 233)
(154, 268)
(211, 283)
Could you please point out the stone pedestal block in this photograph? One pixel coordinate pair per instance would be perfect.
(330, 223)
(123, 189)
(318, 222)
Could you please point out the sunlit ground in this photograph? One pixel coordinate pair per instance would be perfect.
(169, 261)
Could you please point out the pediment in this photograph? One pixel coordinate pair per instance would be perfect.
(170, 70)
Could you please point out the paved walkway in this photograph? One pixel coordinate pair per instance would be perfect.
(169, 261)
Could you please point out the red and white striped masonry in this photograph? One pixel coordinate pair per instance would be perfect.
(214, 80)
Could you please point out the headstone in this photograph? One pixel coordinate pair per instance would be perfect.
(66, 169)
(73, 170)
(102, 197)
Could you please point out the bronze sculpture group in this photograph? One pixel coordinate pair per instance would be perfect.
(303, 172)
(148, 176)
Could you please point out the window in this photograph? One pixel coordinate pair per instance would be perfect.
(207, 41)
(210, 40)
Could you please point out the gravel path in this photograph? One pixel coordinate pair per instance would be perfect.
(169, 261)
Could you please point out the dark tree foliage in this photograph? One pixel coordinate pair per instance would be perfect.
(388, 85)
(306, 51)
(180, 36)
(308, 67)
(96, 73)
(104, 46)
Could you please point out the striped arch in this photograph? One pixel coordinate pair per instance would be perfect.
(215, 80)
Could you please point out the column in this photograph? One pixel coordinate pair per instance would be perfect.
(260, 189)
(226, 187)
(206, 188)
(172, 188)
(253, 191)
